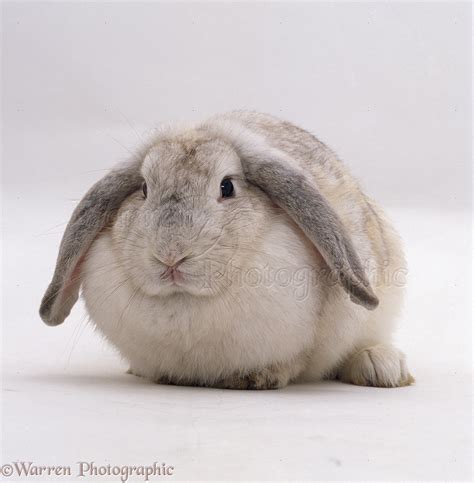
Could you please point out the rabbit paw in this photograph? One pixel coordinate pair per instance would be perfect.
(381, 365)
(268, 378)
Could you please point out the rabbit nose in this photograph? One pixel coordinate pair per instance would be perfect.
(171, 261)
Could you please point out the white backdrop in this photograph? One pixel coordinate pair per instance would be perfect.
(387, 85)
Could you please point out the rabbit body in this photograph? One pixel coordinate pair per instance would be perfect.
(252, 306)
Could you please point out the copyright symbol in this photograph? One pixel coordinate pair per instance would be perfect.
(6, 470)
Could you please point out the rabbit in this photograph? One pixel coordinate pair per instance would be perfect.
(236, 253)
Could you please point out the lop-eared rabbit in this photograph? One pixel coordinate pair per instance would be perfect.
(236, 253)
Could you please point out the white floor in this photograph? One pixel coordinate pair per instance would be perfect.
(66, 397)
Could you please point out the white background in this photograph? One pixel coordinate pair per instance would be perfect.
(387, 85)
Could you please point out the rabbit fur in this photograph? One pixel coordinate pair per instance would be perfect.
(298, 276)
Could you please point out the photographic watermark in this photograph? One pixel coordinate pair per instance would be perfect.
(87, 470)
(301, 279)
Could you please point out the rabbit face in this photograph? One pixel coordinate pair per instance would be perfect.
(187, 228)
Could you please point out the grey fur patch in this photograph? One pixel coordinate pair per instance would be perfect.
(311, 211)
(94, 212)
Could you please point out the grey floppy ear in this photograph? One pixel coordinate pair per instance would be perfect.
(91, 215)
(277, 174)
(301, 199)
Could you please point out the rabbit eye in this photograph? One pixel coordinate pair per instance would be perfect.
(145, 190)
(227, 188)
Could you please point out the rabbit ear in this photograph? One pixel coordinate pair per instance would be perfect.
(278, 175)
(301, 199)
(92, 214)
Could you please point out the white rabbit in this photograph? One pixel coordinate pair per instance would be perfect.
(236, 253)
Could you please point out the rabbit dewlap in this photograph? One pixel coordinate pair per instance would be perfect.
(236, 253)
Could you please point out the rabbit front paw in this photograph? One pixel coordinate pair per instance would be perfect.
(381, 365)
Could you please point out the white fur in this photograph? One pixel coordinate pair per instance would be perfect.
(254, 324)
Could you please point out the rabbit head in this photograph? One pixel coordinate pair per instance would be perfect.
(190, 209)
(192, 220)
